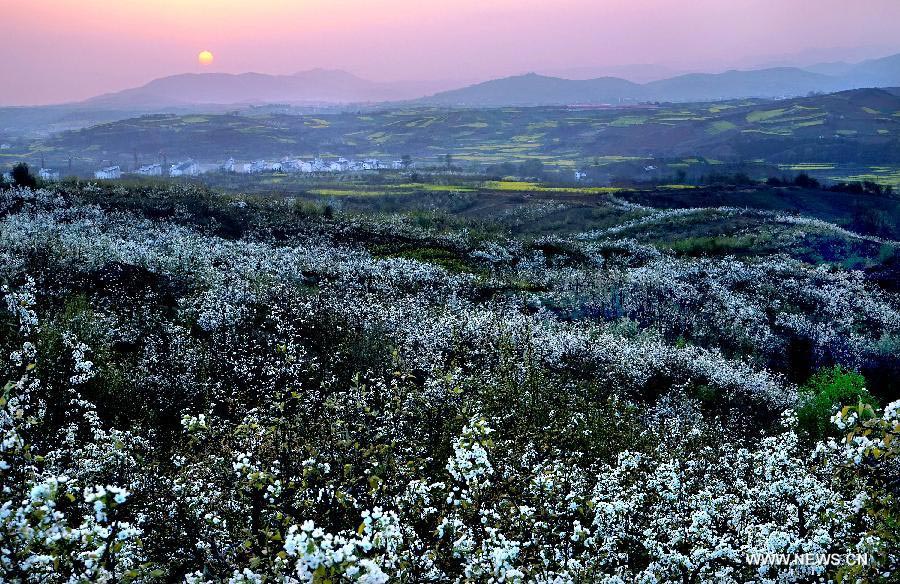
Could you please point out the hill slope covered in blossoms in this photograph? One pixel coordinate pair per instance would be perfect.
(212, 388)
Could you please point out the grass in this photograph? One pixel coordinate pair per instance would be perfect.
(626, 121)
(440, 257)
(433, 188)
(806, 166)
(720, 126)
(764, 115)
(317, 123)
(522, 186)
(347, 193)
(712, 246)
(614, 159)
(888, 176)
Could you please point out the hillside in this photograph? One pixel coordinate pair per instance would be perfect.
(544, 386)
(860, 127)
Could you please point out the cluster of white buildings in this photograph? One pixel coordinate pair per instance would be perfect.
(49, 175)
(292, 165)
(108, 173)
(186, 168)
(149, 170)
(296, 165)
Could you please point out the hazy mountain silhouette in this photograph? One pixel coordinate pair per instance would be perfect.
(777, 82)
(339, 87)
(539, 89)
(316, 85)
(635, 73)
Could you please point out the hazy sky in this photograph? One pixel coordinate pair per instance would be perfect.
(62, 50)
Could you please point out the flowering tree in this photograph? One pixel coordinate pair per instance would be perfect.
(206, 391)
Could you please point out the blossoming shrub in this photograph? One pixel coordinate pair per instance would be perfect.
(210, 392)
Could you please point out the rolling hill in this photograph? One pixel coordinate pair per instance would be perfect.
(858, 126)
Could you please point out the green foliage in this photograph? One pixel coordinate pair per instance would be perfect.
(874, 465)
(714, 245)
(445, 258)
(826, 392)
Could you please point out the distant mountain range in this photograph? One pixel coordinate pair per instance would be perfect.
(340, 87)
(778, 82)
(305, 87)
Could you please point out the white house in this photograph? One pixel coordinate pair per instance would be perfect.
(397, 165)
(579, 175)
(150, 170)
(5, 146)
(229, 165)
(343, 164)
(290, 165)
(257, 166)
(186, 168)
(49, 175)
(108, 173)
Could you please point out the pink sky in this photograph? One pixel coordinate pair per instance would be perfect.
(62, 50)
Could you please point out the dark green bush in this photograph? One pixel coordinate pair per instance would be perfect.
(827, 391)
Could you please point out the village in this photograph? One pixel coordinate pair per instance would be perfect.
(191, 168)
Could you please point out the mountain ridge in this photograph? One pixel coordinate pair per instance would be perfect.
(311, 86)
(335, 86)
(773, 82)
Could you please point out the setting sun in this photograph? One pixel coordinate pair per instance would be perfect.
(205, 58)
